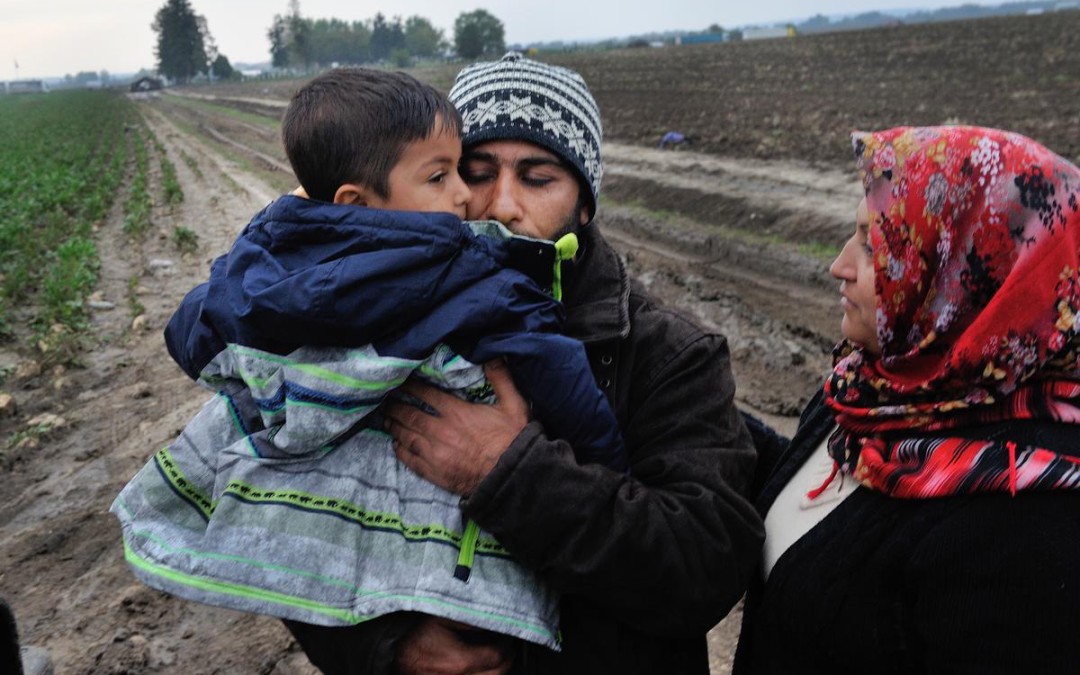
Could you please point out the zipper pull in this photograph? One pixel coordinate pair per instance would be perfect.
(467, 554)
(565, 249)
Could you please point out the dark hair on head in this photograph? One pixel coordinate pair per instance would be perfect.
(351, 125)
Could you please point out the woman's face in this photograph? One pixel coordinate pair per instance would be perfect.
(854, 267)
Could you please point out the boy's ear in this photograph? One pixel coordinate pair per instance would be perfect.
(353, 194)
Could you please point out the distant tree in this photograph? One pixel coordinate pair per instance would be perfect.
(82, 77)
(299, 37)
(715, 28)
(301, 44)
(210, 47)
(279, 43)
(336, 41)
(478, 33)
(401, 58)
(386, 36)
(816, 22)
(222, 69)
(181, 51)
(421, 38)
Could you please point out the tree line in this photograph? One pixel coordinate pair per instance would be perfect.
(186, 49)
(301, 42)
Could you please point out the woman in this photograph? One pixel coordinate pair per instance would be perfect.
(925, 517)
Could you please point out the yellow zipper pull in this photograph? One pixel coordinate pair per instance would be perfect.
(565, 249)
(467, 553)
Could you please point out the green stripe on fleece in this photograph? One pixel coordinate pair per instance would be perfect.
(168, 468)
(357, 514)
(292, 403)
(239, 590)
(317, 504)
(251, 592)
(310, 369)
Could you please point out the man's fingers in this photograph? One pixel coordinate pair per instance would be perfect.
(502, 382)
(425, 393)
(410, 456)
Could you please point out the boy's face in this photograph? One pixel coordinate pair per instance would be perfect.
(426, 176)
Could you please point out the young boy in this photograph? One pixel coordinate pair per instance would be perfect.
(283, 496)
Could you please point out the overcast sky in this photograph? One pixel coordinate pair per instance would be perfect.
(56, 37)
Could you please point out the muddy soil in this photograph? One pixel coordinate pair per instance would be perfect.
(697, 230)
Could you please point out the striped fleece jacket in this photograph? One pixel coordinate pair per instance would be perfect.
(283, 495)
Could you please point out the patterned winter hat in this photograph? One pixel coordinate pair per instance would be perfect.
(520, 99)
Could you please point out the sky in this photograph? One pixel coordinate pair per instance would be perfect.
(51, 38)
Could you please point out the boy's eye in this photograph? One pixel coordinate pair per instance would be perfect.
(437, 177)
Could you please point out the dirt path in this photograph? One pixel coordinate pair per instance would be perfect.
(63, 570)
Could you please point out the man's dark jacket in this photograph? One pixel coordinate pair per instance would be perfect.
(647, 564)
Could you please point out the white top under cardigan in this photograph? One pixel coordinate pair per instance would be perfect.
(793, 514)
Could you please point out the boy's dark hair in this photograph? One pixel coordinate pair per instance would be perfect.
(351, 125)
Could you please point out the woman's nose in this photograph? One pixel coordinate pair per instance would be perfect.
(841, 267)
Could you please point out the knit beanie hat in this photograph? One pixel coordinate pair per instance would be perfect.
(520, 99)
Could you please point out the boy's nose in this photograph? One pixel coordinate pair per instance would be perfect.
(462, 194)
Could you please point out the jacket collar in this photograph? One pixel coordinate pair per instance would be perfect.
(597, 292)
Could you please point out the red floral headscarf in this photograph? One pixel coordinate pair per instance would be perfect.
(976, 244)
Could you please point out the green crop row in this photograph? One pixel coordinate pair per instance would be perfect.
(139, 203)
(62, 160)
(170, 184)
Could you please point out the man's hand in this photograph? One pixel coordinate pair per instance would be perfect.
(459, 447)
(435, 647)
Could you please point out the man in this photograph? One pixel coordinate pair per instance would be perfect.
(646, 562)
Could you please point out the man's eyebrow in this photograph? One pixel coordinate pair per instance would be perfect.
(531, 162)
(481, 156)
(523, 163)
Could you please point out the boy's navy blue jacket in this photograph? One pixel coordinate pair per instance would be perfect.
(308, 273)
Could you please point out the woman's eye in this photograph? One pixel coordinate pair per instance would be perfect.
(438, 178)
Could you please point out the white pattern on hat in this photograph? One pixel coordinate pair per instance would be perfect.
(519, 99)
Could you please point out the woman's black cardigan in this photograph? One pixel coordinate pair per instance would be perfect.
(981, 584)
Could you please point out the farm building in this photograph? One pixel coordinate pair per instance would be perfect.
(767, 33)
(703, 38)
(26, 87)
(146, 84)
